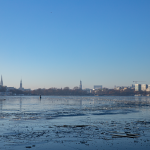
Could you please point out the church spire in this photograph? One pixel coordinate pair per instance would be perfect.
(1, 81)
(80, 86)
(21, 84)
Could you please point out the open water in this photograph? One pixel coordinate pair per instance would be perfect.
(72, 122)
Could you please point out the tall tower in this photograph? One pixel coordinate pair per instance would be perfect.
(80, 87)
(1, 81)
(21, 84)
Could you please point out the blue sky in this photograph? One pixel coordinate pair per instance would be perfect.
(57, 43)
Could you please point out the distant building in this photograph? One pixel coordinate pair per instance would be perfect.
(1, 83)
(148, 89)
(96, 87)
(21, 84)
(80, 86)
(21, 88)
(5, 93)
(132, 86)
(125, 88)
(27, 90)
(76, 88)
(137, 87)
(117, 88)
(144, 87)
(10, 88)
(88, 90)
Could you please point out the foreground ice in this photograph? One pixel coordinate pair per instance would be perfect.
(74, 123)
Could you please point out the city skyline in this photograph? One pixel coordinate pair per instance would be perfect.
(57, 43)
(95, 87)
(80, 85)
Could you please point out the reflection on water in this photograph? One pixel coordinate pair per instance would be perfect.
(79, 122)
(20, 104)
(1, 106)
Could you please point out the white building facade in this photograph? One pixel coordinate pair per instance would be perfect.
(144, 87)
(137, 87)
(96, 87)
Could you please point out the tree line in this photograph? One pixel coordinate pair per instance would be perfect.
(77, 92)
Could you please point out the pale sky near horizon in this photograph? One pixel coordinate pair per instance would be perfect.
(57, 43)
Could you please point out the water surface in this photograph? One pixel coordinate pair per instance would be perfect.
(72, 122)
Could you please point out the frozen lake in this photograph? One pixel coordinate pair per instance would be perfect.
(72, 122)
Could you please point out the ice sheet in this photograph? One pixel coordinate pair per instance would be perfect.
(72, 122)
